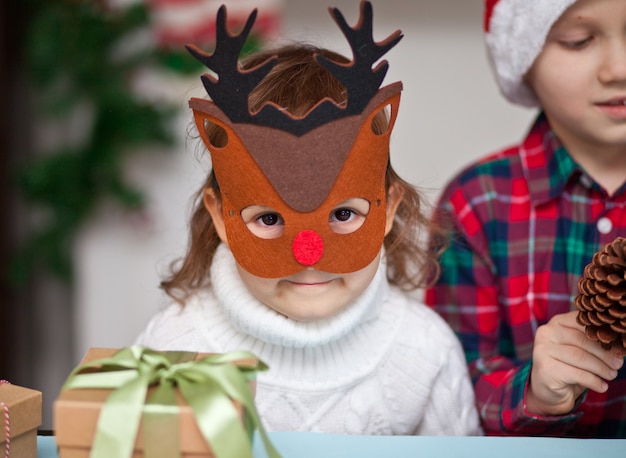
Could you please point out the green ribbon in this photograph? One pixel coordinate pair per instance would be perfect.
(209, 385)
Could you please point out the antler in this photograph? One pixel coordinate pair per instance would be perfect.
(230, 92)
(360, 80)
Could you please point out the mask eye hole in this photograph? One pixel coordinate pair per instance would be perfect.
(263, 222)
(217, 135)
(349, 215)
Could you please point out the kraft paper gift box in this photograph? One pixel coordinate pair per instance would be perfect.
(20, 410)
(77, 412)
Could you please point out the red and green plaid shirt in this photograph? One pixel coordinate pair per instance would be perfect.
(525, 223)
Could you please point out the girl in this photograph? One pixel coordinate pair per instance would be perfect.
(303, 245)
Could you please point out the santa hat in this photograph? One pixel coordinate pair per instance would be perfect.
(515, 32)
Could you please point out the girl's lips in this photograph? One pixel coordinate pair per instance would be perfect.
(311, 284)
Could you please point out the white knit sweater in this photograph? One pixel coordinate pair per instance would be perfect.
(384, 365)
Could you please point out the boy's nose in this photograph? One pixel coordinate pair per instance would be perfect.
(307, 247)
(614, 63)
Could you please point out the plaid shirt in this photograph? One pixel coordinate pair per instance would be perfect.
(525, 222)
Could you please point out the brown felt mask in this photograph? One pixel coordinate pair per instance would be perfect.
(301, 168)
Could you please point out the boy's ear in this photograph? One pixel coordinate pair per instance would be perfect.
(394, 197)
(214, 206)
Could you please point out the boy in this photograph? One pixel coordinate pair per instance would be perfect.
(525, 222)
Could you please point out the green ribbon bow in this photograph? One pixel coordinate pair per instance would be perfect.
(209, 385)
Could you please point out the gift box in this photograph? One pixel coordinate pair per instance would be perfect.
(21, 413)
(136, 402)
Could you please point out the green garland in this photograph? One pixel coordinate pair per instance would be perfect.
(73, 59)
(70, 48)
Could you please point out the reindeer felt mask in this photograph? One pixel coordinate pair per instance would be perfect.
(300, 167)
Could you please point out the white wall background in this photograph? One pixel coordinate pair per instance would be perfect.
(451, 113)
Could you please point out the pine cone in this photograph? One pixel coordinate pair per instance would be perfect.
(602, 300)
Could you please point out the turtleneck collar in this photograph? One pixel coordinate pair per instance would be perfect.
(251, 317)
(316, 355)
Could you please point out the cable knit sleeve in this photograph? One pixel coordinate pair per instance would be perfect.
(451, 410)
(436, 395)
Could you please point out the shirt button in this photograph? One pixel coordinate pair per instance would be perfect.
(586, 181)
(604, 225)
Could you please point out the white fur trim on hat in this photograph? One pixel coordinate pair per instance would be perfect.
(516, 35)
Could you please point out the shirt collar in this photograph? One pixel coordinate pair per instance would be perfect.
(546, 163)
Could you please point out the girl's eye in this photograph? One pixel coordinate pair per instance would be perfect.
(263, 222)
(343, 214)
(269, 219)
(348, 216)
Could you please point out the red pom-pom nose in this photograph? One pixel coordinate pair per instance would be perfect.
(308, 247)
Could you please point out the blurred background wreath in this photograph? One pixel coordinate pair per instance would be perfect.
(80, 67)
(84, 94)
(82, 58)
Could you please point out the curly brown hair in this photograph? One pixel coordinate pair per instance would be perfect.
(298, 82)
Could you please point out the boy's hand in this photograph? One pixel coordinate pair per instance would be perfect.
(565, 362)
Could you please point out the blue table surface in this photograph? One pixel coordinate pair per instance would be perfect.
(310, 445)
